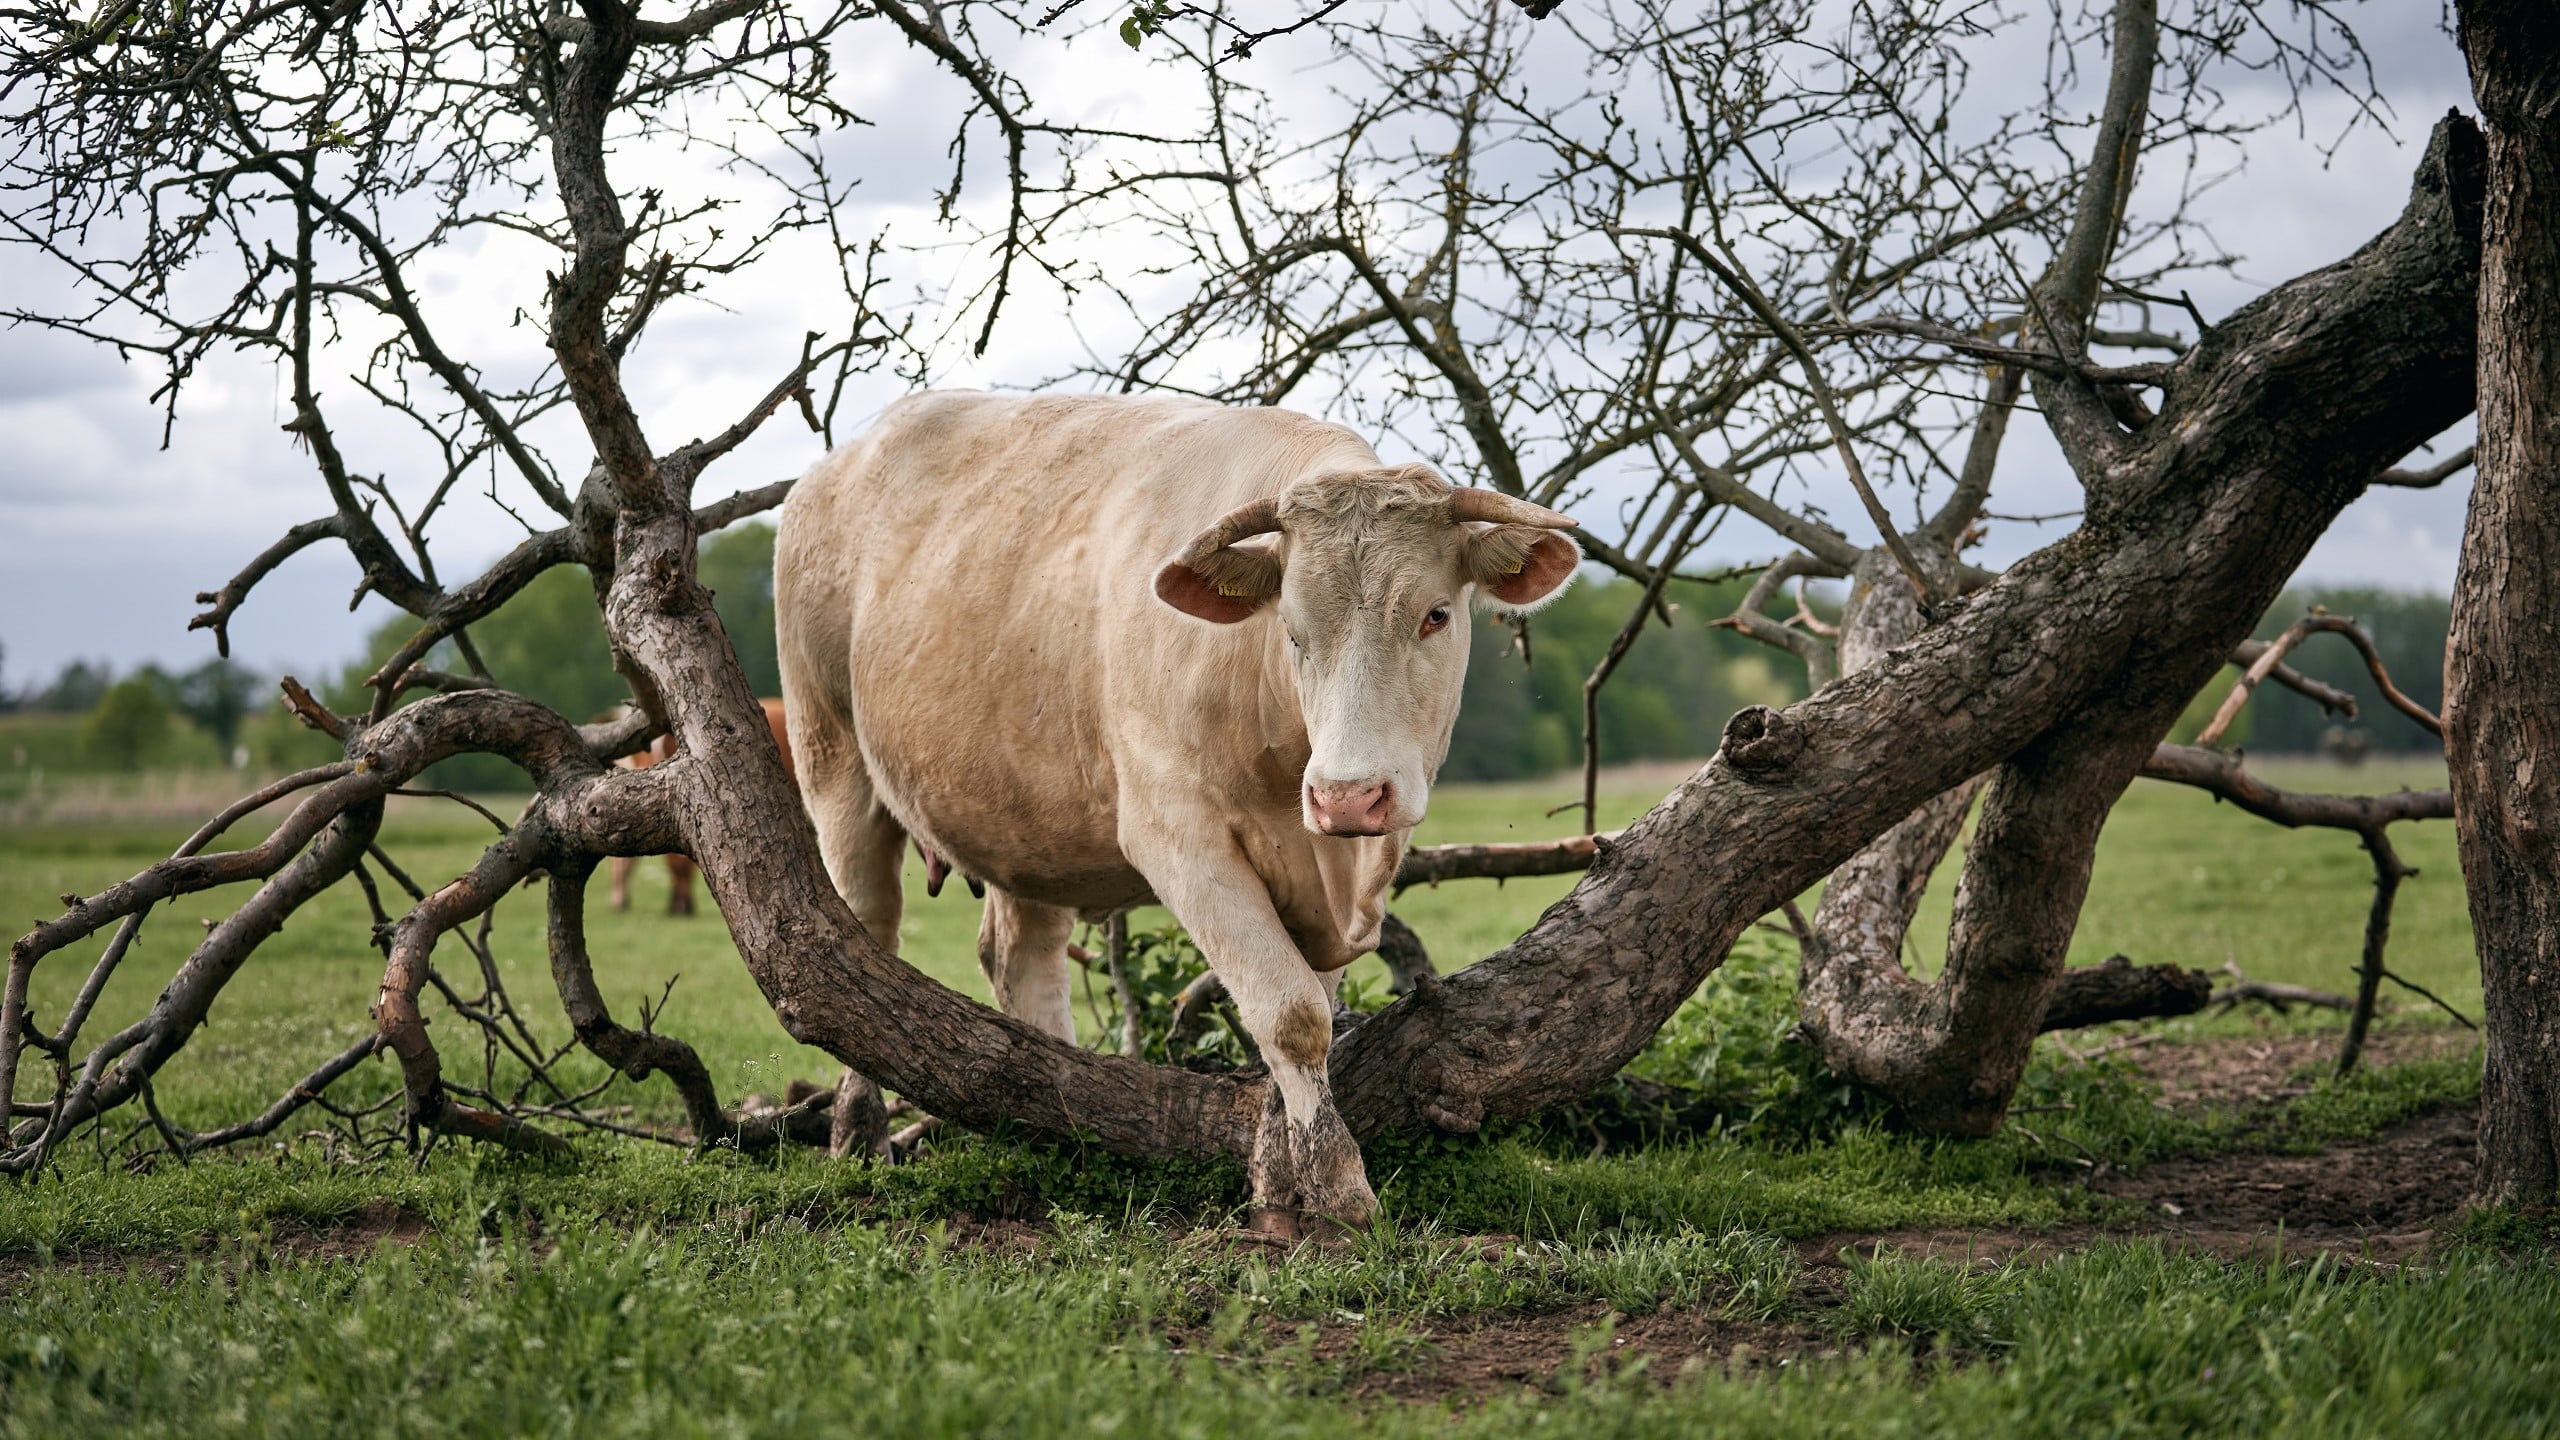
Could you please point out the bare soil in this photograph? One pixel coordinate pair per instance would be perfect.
(2380, 1199)
(2240, 1072)
(1468, 1358)
(349, 1237)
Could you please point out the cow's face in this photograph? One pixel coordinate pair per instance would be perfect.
(1369, 578)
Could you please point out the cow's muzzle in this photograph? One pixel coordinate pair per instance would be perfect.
(1362, 807)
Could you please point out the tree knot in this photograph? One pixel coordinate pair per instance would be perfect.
(1457, 1114)
(1761, 742)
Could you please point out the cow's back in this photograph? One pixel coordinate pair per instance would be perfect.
(969, 584)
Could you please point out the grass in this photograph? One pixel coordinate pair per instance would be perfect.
(2178, 878)
(784, 1329)
(640, 1289)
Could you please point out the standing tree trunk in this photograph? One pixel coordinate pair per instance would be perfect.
(2502, 665)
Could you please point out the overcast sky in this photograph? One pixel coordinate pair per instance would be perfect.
(105, 536)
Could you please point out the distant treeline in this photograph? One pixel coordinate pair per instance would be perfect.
(1669, 698)
(87, 718)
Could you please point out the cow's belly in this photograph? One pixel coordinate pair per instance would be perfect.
(1003, 787)
(1052, 863)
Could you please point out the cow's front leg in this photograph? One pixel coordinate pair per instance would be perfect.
(1305, 1159)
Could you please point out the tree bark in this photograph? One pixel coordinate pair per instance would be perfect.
(1949, 1053)
(2118, 989)
(2502, 663)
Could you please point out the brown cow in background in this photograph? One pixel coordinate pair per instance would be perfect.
(680, 866)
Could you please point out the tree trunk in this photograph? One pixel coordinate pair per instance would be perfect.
(1949, 1054)
(2502, 664)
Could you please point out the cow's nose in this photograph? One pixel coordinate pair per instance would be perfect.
(1360, 807)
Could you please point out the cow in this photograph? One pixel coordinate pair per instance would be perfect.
(679, 865)
(1102, 650)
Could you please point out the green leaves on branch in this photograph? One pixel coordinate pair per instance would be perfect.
(1146, 18)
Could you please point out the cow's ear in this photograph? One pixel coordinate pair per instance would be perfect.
(1226, 586)
(1521, 567)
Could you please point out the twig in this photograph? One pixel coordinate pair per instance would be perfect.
(458, 798)
(1823, 395)
(2279, 997)
(1115, 936)
(2423, 992)
(2429, 477)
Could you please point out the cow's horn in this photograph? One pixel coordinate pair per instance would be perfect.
(1501, 509)
(1259, 517)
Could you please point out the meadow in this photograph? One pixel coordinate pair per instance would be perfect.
(1788, 1264)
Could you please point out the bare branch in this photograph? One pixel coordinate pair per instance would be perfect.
(721, 514)
(1823, 395)
(2220, 773)
(1821, 659)
(2329, 698)
(2432, 475)
(573, 30)
(2319, 621)
(227, 599)
(2085, 425)
(1432, 864)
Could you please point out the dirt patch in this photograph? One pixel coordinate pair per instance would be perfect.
(999, 1236)
(1543, 1352)
(1821, 1256)
(1478, 1357)
(349, 1237)
(2381, 1196)
(2376, 1201)
(2243, 1071)
(355, 1234)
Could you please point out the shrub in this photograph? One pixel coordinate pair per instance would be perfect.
(130, 725)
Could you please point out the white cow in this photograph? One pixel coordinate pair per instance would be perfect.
(1100, 650)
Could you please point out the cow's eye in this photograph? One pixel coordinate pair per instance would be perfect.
(1436, 621)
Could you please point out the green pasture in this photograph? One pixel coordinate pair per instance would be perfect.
(632, 1288)
(2178, 878)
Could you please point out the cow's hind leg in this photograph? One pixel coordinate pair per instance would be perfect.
(865, 851)
(1022, 945)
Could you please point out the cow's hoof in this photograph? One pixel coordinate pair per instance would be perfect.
(1337, 1191)
(1289, 1225)
(1349, 1206)
(1276, 1222)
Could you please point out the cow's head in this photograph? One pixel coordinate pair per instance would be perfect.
(1370, 573)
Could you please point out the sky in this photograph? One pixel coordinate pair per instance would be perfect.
(106, 535)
